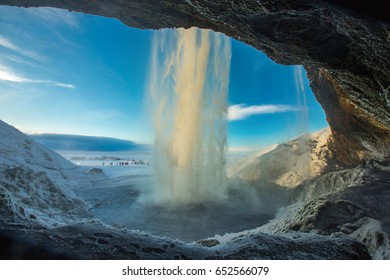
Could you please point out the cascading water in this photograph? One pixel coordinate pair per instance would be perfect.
(188, 89)
(303, 122)
(303, 114)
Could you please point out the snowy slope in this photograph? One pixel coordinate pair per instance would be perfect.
(36, 183)
(16, 149)
(287, 164)
(350, 202)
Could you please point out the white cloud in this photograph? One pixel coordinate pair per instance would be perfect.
(7, 58)
(8, 75)
(61, 84)
(242, 112)
(8, 44)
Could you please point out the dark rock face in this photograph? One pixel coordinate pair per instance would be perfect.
(357, 134)
(344, 46)
(87, 241)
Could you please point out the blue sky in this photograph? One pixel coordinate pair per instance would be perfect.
(71, 73)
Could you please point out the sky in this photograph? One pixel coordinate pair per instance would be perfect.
(66, 72)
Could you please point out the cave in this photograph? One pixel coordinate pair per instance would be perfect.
(343, 46)
(344, 49)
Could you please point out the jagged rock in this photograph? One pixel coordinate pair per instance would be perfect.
(370, 232)
(96, 241)
(344, 46)
(354, 204)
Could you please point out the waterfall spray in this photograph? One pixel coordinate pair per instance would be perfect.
(303, 117)
(188, 90)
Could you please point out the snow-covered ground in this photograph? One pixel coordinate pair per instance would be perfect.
(90, 210)
(119, 198)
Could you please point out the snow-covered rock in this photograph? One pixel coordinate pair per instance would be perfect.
(351, 202)
(36, 183)
(98, 241)
(287, 164)
(370, 232)
(17, 149)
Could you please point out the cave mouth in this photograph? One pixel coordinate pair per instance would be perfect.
(288, 100)
(105, 49)
(346, 56)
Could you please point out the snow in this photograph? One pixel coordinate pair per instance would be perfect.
(310, 197)
(39, 187)
(18, 149)
(287, 164)
(370, 232)
(235, 170)
(350, 203)
(36, 183)
(339, 203)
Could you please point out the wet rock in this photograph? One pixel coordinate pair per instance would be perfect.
(208, 242)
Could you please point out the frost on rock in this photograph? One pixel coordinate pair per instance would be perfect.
(32, 195)
(355, 204)
(36, 183)
(98, 241)
(370, 232)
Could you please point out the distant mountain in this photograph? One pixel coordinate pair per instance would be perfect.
(86, 143)
(288, 164)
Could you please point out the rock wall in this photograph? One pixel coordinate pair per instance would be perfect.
(344, 45)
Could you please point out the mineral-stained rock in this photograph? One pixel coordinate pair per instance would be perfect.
(344, 46)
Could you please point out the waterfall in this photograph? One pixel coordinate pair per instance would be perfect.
(303, 114)
(188, 87)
